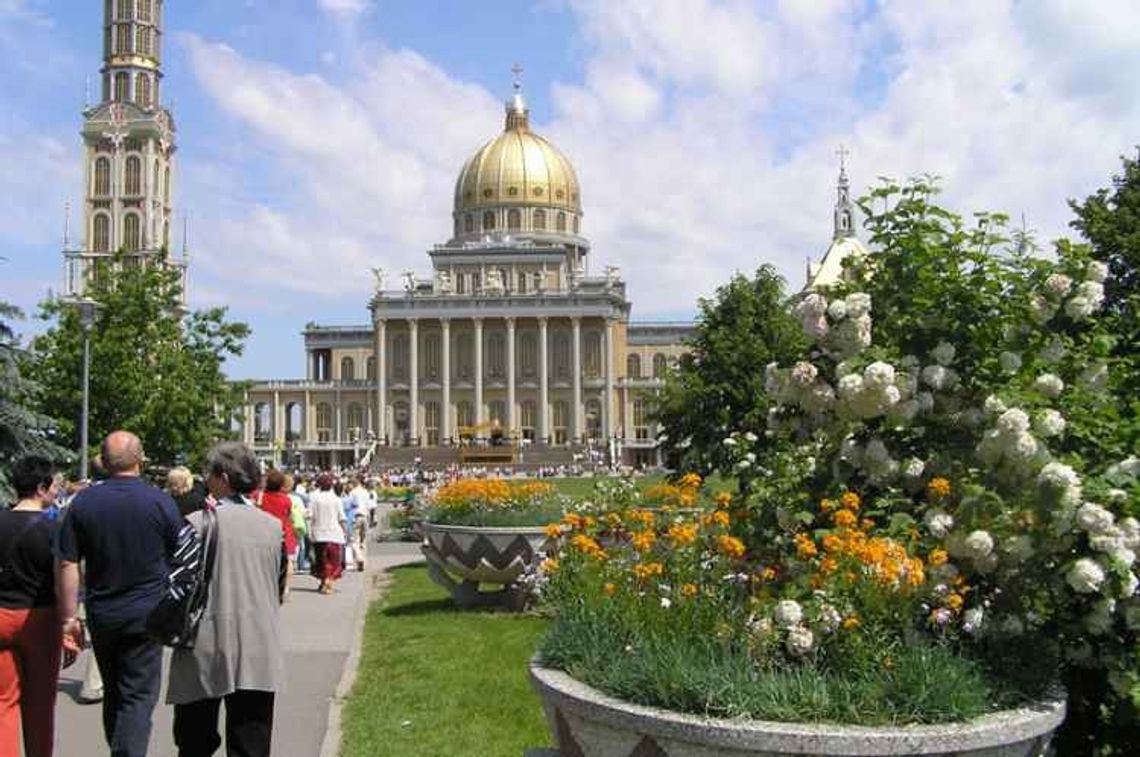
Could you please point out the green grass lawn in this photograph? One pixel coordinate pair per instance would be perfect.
(435, 681)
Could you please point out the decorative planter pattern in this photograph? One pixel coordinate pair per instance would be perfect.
(460, 558)
(587, 723)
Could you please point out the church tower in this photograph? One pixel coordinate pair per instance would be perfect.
(128, 140)
(844, 211)
(844, 242)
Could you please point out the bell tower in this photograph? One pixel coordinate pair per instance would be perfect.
(844, 211)
(128, 141)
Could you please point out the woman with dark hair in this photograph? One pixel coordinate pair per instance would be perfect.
(275, 501)
(31, 635)
(326, 530)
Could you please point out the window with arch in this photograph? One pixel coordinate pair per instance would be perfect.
(355, 421)
(514, 219)
(347, 369)
(464, 414)
(640, 419)
(431, 423)
(432, 357)
(561, 421)
(488, 221)
(465, 356)
(633, 365)
(497, 409)
(142, 90)
(131, 232)
(142, 40)
(562, 355)
(132, 182)
(102, 176)
(539, 220)
(560, 221)
(474, 282)
(527, 414)
(144, 10)
(522, 283)
(126, 10)
(593, 356)
(262, 422)
(497, 355)
(460, 283)
(528, 355)
(324, 422)
(505, 277)
(122, 86)
(101, 233)
(469, 223)
(370, 368)
(400, 357)
(660, 365)
(593, 419)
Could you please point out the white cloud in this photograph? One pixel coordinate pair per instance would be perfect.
(344, 8)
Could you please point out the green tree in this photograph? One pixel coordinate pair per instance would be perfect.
(23, 430)
(153, 371)
(718, 387)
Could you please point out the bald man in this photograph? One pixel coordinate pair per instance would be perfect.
(126, 530)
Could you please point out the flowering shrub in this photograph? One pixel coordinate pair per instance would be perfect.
(494, 502)
(941, 487)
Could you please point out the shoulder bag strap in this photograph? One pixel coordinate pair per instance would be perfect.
(210, 539)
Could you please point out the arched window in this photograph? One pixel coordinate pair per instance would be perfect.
(640, 419)
(561, 421)
(488, 221)
(633, 365)
(126, 10)
(142, 89)
(133, 182)
(131, 241)
(355, 421)
(102, 176)
(101, 233)
(324, 422)
(431, 423)
(262, 422)
(540, 220)
(498, 413)
(562, 355)
(400, 357)
(432, 355)
(659, 366)
(593, 419)
(460, 283)
(514, 220)
(505, 277)
(469, 223)
(593, 357)
(144, 10)
(522, 283)
(526, 419)
(528, 355)
(560, 221)
(496, 355)
(464, 414)
(142, 40)
(122, 86)
(370, 368)
(347, 369)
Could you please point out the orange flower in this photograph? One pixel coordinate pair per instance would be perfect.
(768, 574)
(574, 520)
(553, 531)
(937, 557)
(827, 566)
(609, 588)
(730, 546)
(587, 546)
(689, 590)
(826, 505)
(851, 501)
(682, 534)
(643, 541)
(832, 543)
(644, 517)
(690, 481)
(549, 565)
(955, 602)
(844, 518)
(850, 623)
(644, 570)
(723, 499)
(716, 518)
(805, 547)
(938, 488)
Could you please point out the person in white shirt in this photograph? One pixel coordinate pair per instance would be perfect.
(327, 531)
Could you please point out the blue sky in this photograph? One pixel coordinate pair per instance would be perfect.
(318, 138)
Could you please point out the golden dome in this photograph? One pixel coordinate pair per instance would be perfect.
(517, 182)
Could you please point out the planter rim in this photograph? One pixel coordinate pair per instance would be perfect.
(991, 730)
(455, 528)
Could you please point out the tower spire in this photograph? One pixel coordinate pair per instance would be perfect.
(132, 41)
(844, 211)
(518, 115)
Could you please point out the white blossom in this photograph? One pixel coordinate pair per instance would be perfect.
(879, 374)
(800, 641)
(1058, 284)
(941, 616)
(1013, 421)
(1085, 576)
(938, 522)
(1097, 271)
(1018, 548)
(913, 467)
(1010, 362)
(993, 404)
(944, 353)
(829, 618)
(1050, 423)
(788, 613)
(858, 304)
(666, 602)
(1049, 384)
(1128, 585)
(972, 620)
(804, 373)
(939, 377)
(925, 402)
(1094, 518)
(837, 310)
(979, 544)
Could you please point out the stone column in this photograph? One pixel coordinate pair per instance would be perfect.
(338, 414)
(512, 417)
(414, 381)
(306, 424)
(608, 395)
(309, 365)
(479, 373)
(445, 348)
(381, 379)
(543, 385)
(249, 431)
(577, 410)
(277, 422)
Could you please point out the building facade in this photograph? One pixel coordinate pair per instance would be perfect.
(129, 147)
(509, 342)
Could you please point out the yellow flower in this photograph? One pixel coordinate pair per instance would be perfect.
(716, 518)
(643, 541)
(827, 566)
(553, 531)
(937, 557)
(955, 602)
(609, 588)
(730, 546)
(832, 543)
(690, 481)
(851, 501)
(805, 547)
(682, 534)
(723, 499)
(573, 520)
(689, 590)
(826, 505)
(549, 565)
(938, 488)
(844, 518)
(644, 570)
(587, 546)
(768, 574)
(851, 622)
(644, 517)
(613, 520)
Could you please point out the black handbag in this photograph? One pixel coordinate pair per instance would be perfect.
(175, 619)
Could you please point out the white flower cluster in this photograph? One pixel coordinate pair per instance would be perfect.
(1010, 443)
(1061, 480)
(848, 332)
(1084, 298)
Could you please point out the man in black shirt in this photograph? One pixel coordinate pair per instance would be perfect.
(126, 530)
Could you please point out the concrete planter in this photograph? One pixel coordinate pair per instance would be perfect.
(587, 723)
(460, 558)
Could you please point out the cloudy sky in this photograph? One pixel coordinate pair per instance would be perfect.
(320, 137)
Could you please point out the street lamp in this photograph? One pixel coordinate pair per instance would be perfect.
(88, 309)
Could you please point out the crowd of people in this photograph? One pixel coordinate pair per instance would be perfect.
(89, 563)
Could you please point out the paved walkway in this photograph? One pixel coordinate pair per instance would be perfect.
(319, 634)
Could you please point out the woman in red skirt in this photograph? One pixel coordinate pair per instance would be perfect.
(326, 530)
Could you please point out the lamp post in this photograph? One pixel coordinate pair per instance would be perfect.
(88, 309)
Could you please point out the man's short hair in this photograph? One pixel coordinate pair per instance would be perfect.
(236, 462)
(274, 481)
(29, 473)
